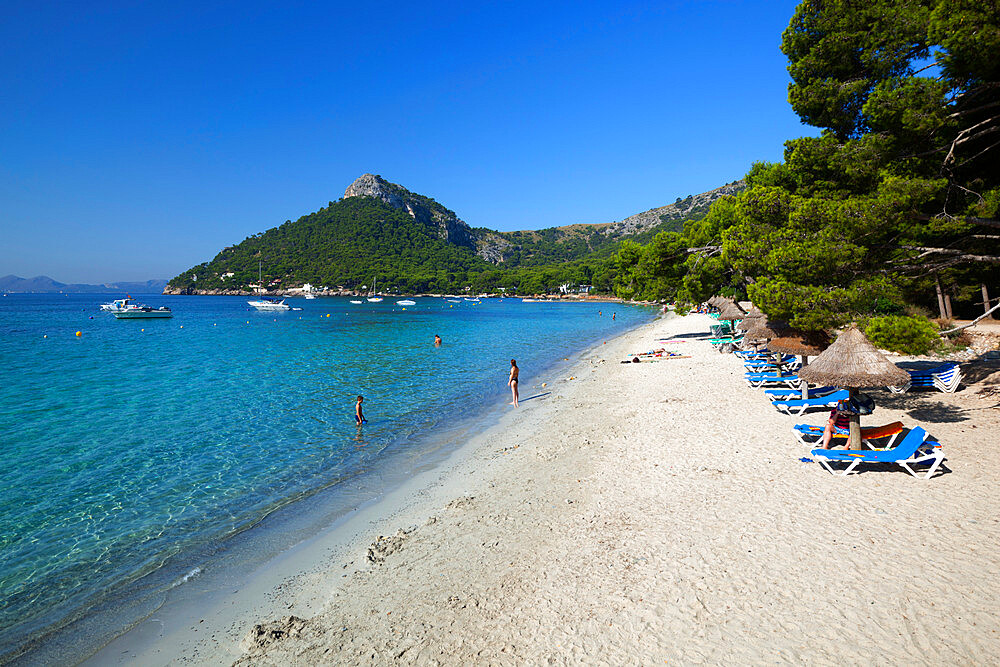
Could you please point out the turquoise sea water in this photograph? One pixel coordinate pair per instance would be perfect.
(144, 443)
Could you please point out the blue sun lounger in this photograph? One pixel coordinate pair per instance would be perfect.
(945, 377)
(913, 450)
(756, 380)
(753, 354)
(798, 406)
(784, 394)
(787, 361)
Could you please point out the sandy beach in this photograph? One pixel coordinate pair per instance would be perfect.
(643, 514)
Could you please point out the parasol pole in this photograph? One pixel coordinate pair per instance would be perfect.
(854, 438)
(805, 385)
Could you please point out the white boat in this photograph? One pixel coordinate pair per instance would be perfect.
(357, 302)
(266, 303)
(453, 300)
(127, 309)
(373, 298)
(310, 296)
(532, 300)
(406, 302)
(269, 304)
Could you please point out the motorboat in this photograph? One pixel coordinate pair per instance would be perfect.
(310, 296)
(406, 302)
(127, 309)
(270, 304)
(266, 303)
(357, 301)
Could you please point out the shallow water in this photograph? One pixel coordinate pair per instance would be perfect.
(141, 442)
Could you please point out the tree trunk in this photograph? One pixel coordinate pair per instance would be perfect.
(805, 385)
(947, 306)
(986, 298)
(940, 296)
(854, 439)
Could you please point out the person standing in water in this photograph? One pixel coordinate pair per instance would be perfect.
(437, 340)
(514, 371)
(359, 416)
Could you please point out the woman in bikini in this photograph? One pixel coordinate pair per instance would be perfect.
(514, 370)
(839, 423)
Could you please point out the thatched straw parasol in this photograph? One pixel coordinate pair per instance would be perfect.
(762, 330)
(803, 343)
(752, 317)
(853, 362)
(719, 302)
(731, 312)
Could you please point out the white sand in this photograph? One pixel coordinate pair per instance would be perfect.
(657, 513)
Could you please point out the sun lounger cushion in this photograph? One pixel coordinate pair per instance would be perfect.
(810, 435)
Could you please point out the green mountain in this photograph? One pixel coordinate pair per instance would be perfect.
(413, 244)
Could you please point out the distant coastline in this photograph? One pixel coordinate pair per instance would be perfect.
(12, 284)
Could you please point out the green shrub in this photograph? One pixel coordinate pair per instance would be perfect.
(682, 308)
(898, 333)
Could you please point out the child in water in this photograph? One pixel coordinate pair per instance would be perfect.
(359, 416)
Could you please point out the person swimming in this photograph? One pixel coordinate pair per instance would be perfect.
(437, 340)
(514, 372)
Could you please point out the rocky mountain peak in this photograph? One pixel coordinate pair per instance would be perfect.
(420, 208)
(373, 185)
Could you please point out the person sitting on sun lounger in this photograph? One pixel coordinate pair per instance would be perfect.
(839, 422)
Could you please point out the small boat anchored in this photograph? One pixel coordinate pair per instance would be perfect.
(374, 298)
(406, 302)
(270, 304)
(127, 309)
(266, 303)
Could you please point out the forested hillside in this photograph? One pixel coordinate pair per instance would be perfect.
(413, 244)
(893, 210)
(347, 244)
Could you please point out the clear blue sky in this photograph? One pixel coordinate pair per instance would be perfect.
(139, 138)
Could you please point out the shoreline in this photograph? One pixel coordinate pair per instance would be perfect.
(375, 493)
(656, 510)
(292, 293)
